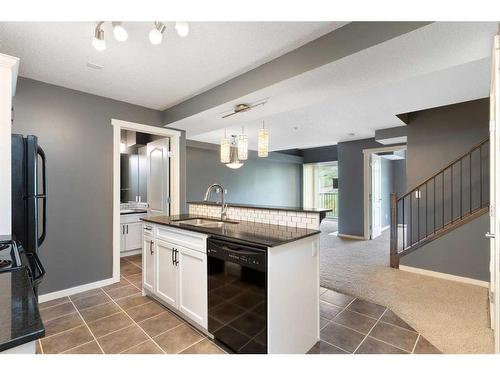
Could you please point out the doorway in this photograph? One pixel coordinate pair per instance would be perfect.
(320, 187)
(385, 173)
(166, 149)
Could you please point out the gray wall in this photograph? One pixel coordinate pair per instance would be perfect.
(435, 138)
(399, 177)
(276, 180)
(351, 180)
(438, 136)
(75, 131)
(462, 252)
(320, 154)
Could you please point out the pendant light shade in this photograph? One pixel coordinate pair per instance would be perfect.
(263, 142)
(225, 150)
(242, 146)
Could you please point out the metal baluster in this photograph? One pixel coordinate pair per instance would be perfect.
(418, 214)
(411, 220)
(452, 202)
(480, 177)
(442, 199)
(434, 210)
(470, 183)
(403, 227)
(426, 204)
(461, 189)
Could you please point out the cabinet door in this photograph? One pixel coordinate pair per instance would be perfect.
(133, 233)
(123, 244)
(166, 274)
(193, 285)
(148, 263)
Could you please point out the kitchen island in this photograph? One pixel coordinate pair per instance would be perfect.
(253, 286)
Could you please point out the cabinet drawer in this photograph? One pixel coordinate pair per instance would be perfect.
(148, 229)
(192, 240)
(133, 218)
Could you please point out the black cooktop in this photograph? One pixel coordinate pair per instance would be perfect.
(9, 256)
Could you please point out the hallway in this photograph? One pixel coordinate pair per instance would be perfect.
(453, 316)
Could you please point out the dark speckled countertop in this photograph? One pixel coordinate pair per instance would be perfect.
(20, 320)
(254, 233)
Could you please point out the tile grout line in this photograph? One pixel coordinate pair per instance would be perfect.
(57, 304)
(415, 345)
(367, 316)
(41, 347)
(84, 322)
(142, 342)
(138, 325)
(371, 329)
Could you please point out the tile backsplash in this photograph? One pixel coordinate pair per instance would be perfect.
(133, 205)
(296, 219)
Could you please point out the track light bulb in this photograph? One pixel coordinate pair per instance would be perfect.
(156, 33)
(182, 28)
(119, 32)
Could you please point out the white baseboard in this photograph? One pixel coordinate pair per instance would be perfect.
(446, 276)
(350, 236)
(74, 290)
(131, 252)
(385, 228)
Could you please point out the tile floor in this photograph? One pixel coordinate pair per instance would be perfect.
(351, 325)
(118, 319)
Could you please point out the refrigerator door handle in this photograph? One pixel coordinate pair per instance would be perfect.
(44, 195)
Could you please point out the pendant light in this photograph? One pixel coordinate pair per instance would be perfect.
(225, 149)
(234, 162)
(242, 145)
(98, 41)
(263, 142)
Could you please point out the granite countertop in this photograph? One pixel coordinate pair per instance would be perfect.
(263, 207)
(20, 320)
(249, 232)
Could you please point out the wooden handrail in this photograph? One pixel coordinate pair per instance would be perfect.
(477, 146)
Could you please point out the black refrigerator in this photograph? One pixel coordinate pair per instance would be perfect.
(29, 196)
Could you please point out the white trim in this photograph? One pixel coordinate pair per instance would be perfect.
(76, 289)
(367, 185)
(350, 236)
(12, 63)
(125, 254)
(385, 228)
(175, 179)
(446, 276)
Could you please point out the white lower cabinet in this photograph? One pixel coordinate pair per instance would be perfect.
(177, 274)
(148, 262)
(167, 274)
(130, 232)
(193, 284)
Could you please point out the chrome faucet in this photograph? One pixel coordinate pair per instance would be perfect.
(223, 207)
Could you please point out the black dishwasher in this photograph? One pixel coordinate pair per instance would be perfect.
(237, 295)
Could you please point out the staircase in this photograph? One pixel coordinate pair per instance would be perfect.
(445, 201)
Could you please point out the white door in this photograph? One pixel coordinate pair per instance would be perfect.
(158, 177)
(193, 285)
(495, 194)
(148, 263)
(166, 273)
(376, 197)
(134, 236)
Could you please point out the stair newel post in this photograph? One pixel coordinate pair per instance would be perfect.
(394, 231)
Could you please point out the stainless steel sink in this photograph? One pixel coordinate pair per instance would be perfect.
(207, 223)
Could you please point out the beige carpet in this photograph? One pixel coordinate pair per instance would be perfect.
(453, 316)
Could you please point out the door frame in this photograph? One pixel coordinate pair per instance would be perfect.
(373, 233)
(175, 190)
(367, 183)
(494, 291)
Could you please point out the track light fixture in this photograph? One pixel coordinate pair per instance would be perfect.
(98, 41)
(156, 33)
(121, 34)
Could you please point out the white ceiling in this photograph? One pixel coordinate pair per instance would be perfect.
(440, 64)
(152, 76)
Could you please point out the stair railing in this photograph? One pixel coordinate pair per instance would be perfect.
(435, 206)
